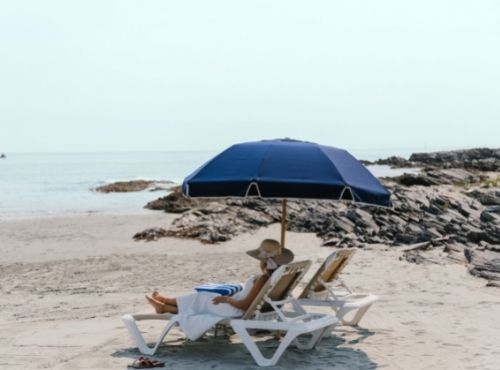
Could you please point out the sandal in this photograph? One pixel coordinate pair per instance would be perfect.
(146, 363)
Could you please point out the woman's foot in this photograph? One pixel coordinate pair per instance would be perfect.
(157, 305)
(161, 307)
(167, 300)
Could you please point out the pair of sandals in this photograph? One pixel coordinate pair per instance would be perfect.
(146, 363)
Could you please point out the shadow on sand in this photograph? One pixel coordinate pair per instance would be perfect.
(210, 353)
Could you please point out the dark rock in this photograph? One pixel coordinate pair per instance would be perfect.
(491, 214)
(395, 162)
(482, 159)
(484, 263)
(175, 202)
(487, 197)
(254, 217)
(453, 176)
(333, 242)
(456, 252)
(151, 234)
(132, 186)
(362, 218)
(418, 254)
(493, 283)
(432, 176)
(411, 179)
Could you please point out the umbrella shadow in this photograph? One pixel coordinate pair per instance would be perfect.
(333, 352)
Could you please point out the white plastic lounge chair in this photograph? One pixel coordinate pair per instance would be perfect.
(265, 313)
(320, 291)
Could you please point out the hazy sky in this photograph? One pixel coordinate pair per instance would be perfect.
(169, 75)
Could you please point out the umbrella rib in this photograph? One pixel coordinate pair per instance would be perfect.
(340, 175)
(261, 163)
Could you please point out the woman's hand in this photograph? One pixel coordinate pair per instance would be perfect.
(220, 299)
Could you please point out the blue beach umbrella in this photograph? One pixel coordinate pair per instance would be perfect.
(286, 169)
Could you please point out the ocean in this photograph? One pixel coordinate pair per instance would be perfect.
(48, 184)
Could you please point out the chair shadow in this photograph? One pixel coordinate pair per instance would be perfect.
(333, 352)
(362, 333)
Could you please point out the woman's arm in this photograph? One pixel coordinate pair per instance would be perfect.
(244, 303)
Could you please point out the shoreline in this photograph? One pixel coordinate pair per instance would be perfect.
(73, 214)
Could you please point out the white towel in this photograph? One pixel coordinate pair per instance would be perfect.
(197, 313)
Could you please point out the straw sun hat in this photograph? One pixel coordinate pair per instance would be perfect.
(270, 252)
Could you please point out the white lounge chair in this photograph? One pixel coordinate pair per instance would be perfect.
(267, 312)
(322, 290)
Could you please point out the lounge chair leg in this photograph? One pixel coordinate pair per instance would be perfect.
(316, 337)
(254, 350)
(357, 317)
(137, 337)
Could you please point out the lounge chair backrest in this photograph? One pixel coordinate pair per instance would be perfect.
(277, 287)
(328, 271)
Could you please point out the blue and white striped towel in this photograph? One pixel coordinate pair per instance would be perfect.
(222, 289)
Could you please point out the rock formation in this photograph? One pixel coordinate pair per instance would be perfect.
(481, 159)
(134, 185)
(453, 210)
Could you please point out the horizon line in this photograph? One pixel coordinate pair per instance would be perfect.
(370, 149)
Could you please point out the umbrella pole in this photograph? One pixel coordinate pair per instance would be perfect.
(283, 222)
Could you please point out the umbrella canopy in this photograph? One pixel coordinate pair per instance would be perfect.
(286, 169)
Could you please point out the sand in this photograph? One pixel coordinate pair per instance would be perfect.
(66, 281)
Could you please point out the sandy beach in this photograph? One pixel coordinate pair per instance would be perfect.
(66, 281)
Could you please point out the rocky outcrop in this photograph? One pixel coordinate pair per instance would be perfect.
(435, 176)
(393, 161)
(151, 234)
(419, 214)
(485, 263)
(481, 159)
(134, 185)
(219, 221)
(448, 213)
(445, 217)
(174, 202)
(485, 196)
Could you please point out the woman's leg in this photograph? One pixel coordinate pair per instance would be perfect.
(161, 307)
(167, 300)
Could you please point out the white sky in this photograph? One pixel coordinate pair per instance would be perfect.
(164, 75)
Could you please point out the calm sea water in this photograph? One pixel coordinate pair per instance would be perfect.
(58, 183)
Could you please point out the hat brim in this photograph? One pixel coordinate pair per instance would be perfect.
(284, 258)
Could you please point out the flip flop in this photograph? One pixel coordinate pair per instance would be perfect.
(145, 363)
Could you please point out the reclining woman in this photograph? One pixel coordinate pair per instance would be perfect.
(270, 255)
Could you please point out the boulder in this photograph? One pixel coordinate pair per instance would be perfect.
(412, 179)
(134, 185)
(491, 214)
(175, 202)
(487, 197)
(484, 263)
(395, 162)
(151, 234)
